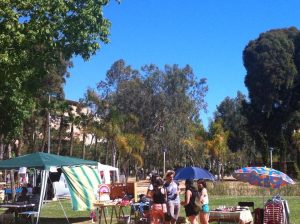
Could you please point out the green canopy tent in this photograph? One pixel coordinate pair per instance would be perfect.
(43, 162)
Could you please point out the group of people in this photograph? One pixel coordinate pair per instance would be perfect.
(34, 198)
(165, 200)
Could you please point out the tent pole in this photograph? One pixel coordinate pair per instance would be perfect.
(45, 174)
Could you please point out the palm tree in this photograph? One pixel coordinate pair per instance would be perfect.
(217, 144)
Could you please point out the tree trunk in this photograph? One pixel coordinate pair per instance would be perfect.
(45, 134)
(71, 139)
(61, 124)
(89, 148)
(97, 154)
(12, 176)
(2, 156)
(1, 148)
(83, 145)
(114, 153)
(219, 169)
(107, 150)
(32, 137)
(19, 147)
(32, 141)
(298, 158)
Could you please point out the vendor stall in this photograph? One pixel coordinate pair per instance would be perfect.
(43, 162)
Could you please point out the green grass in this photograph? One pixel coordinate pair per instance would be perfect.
(52, 212)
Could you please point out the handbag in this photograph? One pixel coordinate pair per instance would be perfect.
(197, 200)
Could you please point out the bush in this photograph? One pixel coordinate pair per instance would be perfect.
(238, 188)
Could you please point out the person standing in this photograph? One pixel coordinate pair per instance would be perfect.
(189, 202)
(151, 185)
(173, 200)
(158, 207)
(204, 212)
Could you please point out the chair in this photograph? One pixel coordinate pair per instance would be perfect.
(249, 204)
(28, 216)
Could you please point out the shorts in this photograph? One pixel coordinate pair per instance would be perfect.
(205, 208)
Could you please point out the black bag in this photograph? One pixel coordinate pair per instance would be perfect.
(196, 208)
(168, 217)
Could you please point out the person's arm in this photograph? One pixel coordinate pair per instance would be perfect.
(166, 194)
(149, 193)
(177, 190)
(203, 195)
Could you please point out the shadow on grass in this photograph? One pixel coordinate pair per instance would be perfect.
(79, 220)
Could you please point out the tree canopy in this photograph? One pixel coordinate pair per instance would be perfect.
(272, 64)
(37, 40)
(165, 104)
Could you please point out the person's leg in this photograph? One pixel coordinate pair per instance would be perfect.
(157, 214)
(175, 215)
(200, 218)
(192, 219)
(154, 217)
(170, 207)
(205, 218)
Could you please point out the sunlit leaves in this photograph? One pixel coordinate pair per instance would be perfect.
(37, 40)
(217, 144)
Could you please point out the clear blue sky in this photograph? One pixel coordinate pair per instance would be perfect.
(208, 35)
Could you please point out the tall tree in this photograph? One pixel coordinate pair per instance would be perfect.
(36, 37)
(272, 64)
(165, 103)
(234, 121)
(217, 146)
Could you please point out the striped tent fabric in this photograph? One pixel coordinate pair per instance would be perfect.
(83, 182)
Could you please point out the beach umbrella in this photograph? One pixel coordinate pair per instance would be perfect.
(192, 172)
(263, 176)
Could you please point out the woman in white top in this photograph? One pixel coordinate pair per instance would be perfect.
(204, 213)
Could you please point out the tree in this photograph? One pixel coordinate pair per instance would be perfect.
(272, 64)
(217, 145)
(36, 38)
(162, 104)
(234, 121)
(194, 145)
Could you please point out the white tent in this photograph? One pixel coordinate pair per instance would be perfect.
(61, 189)
(106, 169)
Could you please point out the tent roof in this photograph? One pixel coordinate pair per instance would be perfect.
(40, 160)
(106, 167)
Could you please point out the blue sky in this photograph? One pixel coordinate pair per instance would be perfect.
(208, 35)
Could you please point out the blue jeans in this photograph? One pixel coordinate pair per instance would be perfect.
(173, 210)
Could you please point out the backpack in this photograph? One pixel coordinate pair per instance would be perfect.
(197, 205)
(197, 200)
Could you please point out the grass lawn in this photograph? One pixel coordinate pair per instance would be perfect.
(53, 213)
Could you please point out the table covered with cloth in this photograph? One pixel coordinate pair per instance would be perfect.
(238, 216)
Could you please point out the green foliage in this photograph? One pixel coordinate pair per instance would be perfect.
(272, 63)
(37, 41)
(239, 139)
(164, 105)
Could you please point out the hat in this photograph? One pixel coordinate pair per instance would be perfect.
(169, 172)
